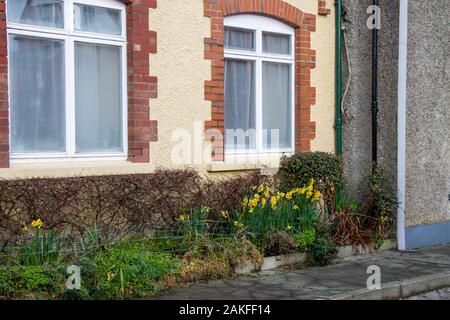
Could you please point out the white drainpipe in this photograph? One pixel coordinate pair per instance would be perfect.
(401, 129)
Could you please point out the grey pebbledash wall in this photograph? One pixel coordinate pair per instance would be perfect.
(428, 113)
(357, 123)
(427, 211)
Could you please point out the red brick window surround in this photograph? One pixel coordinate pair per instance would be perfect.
(141, 85)
(305, 60)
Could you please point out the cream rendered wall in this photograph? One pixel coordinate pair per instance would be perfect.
(182, 70)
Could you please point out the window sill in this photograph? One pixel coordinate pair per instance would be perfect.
(60, 169)
(246, 162)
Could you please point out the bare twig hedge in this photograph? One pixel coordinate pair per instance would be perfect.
(115, 201)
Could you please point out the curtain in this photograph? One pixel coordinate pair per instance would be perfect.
(98, 96)
(277, 109)
(276, 43)
(97, 19)
(240, 104)
(37, 95)
(46, 13)
(239, 39)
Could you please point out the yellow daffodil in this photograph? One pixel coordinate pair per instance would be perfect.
(273, 202)
(260, 188)
(184, 217)
(245, 202)
(37, 223)
(289, 195)
(205, 210)
(225, 214)
(266, 193)
(238, 224)
(316, 196)
(289, 228)
(311, 185)
(253, 202)
(263, 202)
(280, 195)
(295, 207)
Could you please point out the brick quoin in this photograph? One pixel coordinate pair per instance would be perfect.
(323, 11)
(305, 60)
(141, 85)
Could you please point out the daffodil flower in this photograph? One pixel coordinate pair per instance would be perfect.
(260, 188)
(263, 202)
(37, 223)
(225, 214)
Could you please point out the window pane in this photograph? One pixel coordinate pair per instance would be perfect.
(239, 39)
(98, 98)
(240, 104)
(37, 95)
(277, 105)
(276, 43)
(97, 19)
(46, 13)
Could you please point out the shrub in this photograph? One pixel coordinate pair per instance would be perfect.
(120, 203)
(305, 238)
(369, 222)
(238, 250)
(39, 281)
(325, 168)
(129, 269)
(347, 222)
(280, 243)
(381, 203)
(322, 251)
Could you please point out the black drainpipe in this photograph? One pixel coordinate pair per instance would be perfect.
(375, 93)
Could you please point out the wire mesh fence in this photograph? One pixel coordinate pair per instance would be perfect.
(176, 238)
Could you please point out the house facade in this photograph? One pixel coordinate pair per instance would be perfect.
(226, 86)
(128, 86)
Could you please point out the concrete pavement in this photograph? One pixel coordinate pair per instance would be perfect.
(403, 274)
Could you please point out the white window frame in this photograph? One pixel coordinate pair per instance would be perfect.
(70, 36)
(260, 24)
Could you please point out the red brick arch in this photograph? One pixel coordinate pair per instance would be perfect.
(305, 60)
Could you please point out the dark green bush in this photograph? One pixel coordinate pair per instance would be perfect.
(322, 251)
(380, 203)
(298, 170)
(305, 238)
(325, 168)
